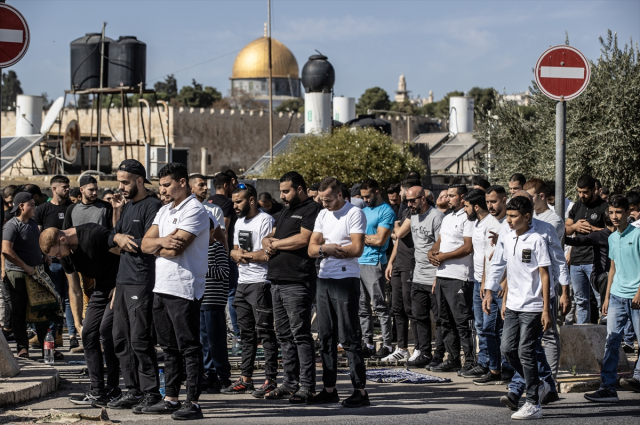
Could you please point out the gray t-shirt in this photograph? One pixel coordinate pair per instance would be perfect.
(550, 216)
(425, 230)
(99, 212)
(25, 238)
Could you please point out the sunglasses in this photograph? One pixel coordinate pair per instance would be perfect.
(242, 186)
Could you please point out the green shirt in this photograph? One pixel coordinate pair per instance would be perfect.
(624, 250)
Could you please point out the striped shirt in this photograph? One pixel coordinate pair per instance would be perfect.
(216, 290)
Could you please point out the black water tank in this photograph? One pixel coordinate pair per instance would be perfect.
(379, 124)
(127, 62)
(85, 62)
(318, 75)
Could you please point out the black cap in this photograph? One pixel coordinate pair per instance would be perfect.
(87, 180)
(75, 192)
(355, 189)
(134, 167)
(20, 198)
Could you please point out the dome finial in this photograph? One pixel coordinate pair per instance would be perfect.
(265, 29)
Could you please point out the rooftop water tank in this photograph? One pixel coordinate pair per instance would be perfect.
(383, 126)
(461, 114)
(28, 114)
(318, 75)
(85, 62)
(127, 62)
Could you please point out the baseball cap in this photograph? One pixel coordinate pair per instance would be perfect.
(355, 189)
(20, 198)
(87, 180)
(134, 167)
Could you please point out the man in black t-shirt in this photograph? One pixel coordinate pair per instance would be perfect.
(586, 216)
(269, 205)
(87, 248)
(293, 286)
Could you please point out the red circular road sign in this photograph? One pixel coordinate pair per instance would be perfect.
(14, 36)
(562, 72)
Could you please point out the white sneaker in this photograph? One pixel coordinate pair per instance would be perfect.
(543, 389)
(415, 355)
(528, 411)
(397, 356)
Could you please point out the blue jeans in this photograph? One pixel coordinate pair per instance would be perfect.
(478, 316)
(582, 291)
(233, 285)
(620, 312)
(629, 333)
(213, 337)
(59, 279)
(491, 332)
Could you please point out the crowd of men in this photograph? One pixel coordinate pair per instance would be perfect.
(186, 272)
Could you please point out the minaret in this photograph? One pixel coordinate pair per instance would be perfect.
(402, 95)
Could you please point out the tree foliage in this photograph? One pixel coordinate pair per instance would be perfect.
(197, 96)
(10, 90)
(350, 154)
(373, 98)
(603, 127)
(440, 109)
(291, 105)
(167, 89)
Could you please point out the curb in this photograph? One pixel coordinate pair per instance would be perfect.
(34, 380)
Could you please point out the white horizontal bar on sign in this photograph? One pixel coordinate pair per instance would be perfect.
(561, 72)
(10, 36)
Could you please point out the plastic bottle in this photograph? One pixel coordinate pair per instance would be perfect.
(235, 346)
(49, 347)
(161, 382)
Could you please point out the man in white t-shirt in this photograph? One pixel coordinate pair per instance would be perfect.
(179, 237)
(253, 297)
(541, 211)
(453, 255)
(338, 238)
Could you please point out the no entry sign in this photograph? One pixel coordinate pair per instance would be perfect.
(14, 36)
(562, 72)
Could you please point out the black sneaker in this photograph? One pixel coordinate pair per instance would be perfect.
(381, 353)
(436, 361)
(489, 378)
(324, 397)
(218, 386)
(127, 401)
(420, 361)
(357, 400)
(207, 382)
(265, 388)
(510, 400)
(627, 348)
(366, 352)
(147, 401)
(280, 393)
(161, 407)
(86, 399)
(631, 384)
(603, 395)
(73, 343)
(447, 366)
(187, 412)
(239, 387)
(108, 395)
(507, 375)
(550, 397)
(475, 372)
(300, 397)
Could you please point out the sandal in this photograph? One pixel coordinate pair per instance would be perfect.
(300, 397)
(23, 354)
(279, 393)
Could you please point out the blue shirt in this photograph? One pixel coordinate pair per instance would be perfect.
(624, 250)
(380, 216)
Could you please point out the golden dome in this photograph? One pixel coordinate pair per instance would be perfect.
(253, 60)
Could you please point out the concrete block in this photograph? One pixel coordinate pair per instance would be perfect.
(8, 364)
(583, 348)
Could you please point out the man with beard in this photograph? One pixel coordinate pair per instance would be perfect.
(253, 297)
(442, 203)
(293, 287)
(199, 189)
(133, 298)
(516, 183)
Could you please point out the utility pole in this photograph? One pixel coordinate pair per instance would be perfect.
(561, 153)
(98, 126)
(270, 87)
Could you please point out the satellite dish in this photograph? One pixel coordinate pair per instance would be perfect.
(52, 115)
(71, 141)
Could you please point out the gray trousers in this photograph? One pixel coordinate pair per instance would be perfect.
(372, 282)
(551, 338)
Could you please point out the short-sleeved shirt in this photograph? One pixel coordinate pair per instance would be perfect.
(524, 255)
(25, 238)
(425, 230)
(50, 215)
(594, 214)
(294, 265)
(479, 243)
(216, 212)
(492, 225)
(248, 236)
(228, 212)
(380, 216)
(550, 216)
(99, 212)
(337, 227)
(405, 254)
(456, 227)
(624, 251)
(184, 275)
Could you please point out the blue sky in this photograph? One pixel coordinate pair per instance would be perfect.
(438, 45)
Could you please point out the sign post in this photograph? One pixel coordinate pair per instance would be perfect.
(562, 73)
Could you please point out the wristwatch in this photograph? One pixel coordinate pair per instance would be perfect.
(320, 252)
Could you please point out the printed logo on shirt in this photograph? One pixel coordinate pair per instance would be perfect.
(594, 216)
(526, 255)
(175, 220)
(135, 297)
(136, 221)
(299, 217)
(61, 216)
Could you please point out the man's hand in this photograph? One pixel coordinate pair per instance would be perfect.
(172, 241)
(267, 244)
(501, 291)
(125, 242)
(605, 306)
(482, 290)
(546, 320)
(29, 270)
(494, 237)
(433, 259)
(503, 310)
(567, 257)
(635, 215)
(334, 250)
(117, 201)
(388, 271)
(582, 226)
(565, 302)
(486, 303)
(635, 302)
(239, 256)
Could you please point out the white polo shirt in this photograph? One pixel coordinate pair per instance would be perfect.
(455, 227)
(183, 276)
(479, 243)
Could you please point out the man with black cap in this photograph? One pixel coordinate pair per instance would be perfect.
(356, 198)
(133, 298)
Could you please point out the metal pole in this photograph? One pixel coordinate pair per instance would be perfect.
(561, 152)
(408, 128)
(104, 24)
(270, 90)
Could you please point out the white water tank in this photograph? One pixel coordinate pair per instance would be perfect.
(317, 112)
(344, 109)
(461, 110)
(28, 115)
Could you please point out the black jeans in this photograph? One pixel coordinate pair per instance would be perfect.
(421, 317)
(520, 335)
(177, 323)
(439, 343)
(15, 290)
(292, 303)
(255, 319)
(213, 336)
(401, 304)
(96, 330)
(455, 300)
(133, 339)
(337, 303)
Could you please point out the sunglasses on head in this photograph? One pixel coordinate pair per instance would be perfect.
(242, 186)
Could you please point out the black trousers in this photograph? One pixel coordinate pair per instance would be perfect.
(96, 331)
(292, 303)
(421, 316)
(14, 290)
(132, 336)
(401, 304)
(455, 300)
(439, 343)
(177, 323)
(255, 319)
(337, 303)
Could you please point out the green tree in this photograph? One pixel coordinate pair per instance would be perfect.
(197, 96)
(350, 154)
(484, 99)
(10, 90)
(167, 89)
(291, 105)
(603, 127)
(373, 98)
(83, 101)
(439, 109)
(406, 107)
